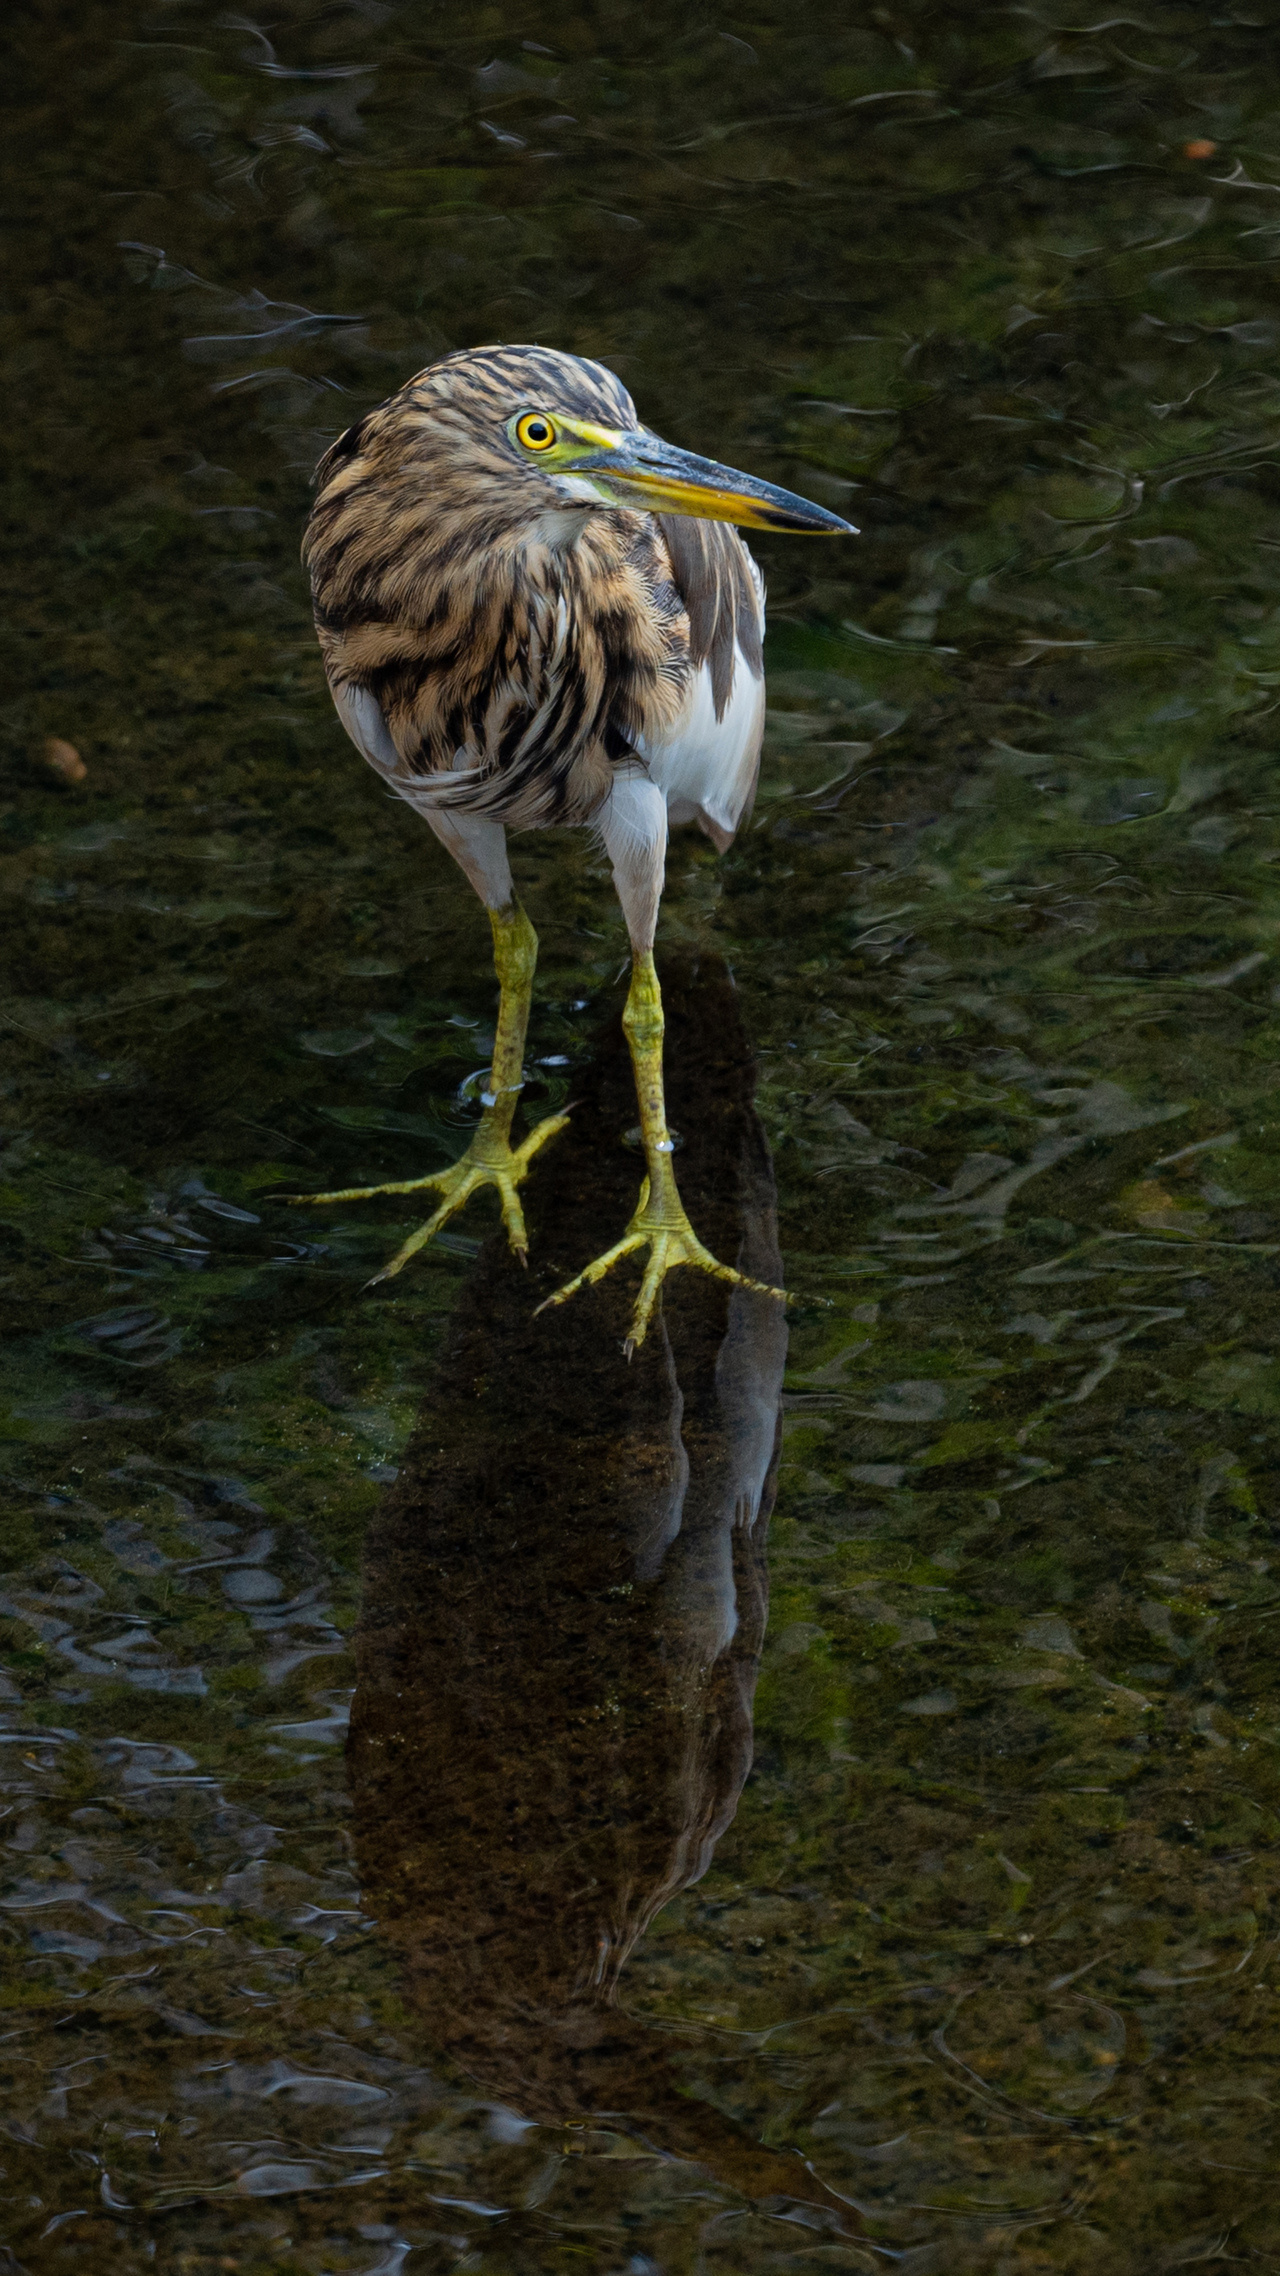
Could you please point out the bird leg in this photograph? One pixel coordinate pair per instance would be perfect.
(660, 1223)
(490, 1159)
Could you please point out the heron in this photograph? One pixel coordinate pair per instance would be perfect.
(534, 612)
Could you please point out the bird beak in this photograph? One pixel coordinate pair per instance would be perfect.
(639, 469)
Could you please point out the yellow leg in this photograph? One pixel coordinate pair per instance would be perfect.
(660, 1224)
(490, 1159)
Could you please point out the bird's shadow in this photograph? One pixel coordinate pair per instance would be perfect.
(564, 1601)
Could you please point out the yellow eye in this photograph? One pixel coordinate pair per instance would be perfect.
(535, 432)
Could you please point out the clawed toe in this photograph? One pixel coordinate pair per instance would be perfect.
(671, 1242)
(489, 1160)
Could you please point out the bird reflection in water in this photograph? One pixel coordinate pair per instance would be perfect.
(565, 1598)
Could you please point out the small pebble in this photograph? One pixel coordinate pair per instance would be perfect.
(1199, 149)
(250, 1585)
(63, 760)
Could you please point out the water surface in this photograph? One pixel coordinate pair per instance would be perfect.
(421, 1849)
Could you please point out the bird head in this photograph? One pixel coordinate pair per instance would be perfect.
(538, 434)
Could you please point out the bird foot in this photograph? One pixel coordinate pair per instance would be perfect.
(490, 1159)
(671, 1241)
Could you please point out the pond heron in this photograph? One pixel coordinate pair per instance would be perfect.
(533, 611)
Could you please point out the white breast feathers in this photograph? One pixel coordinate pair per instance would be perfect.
(706, 768)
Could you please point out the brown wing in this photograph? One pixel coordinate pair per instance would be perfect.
(713, 574)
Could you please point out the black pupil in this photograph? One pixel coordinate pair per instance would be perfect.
(537, 431)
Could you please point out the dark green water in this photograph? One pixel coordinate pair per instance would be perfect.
(982, 1974)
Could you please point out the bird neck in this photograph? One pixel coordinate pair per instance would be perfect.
(560, 528)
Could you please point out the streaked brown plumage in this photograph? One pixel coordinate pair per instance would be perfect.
(439, 581)
(533, 611)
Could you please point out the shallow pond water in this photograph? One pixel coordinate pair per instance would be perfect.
(467, 1805)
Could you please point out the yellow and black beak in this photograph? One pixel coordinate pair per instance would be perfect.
(639, 469)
